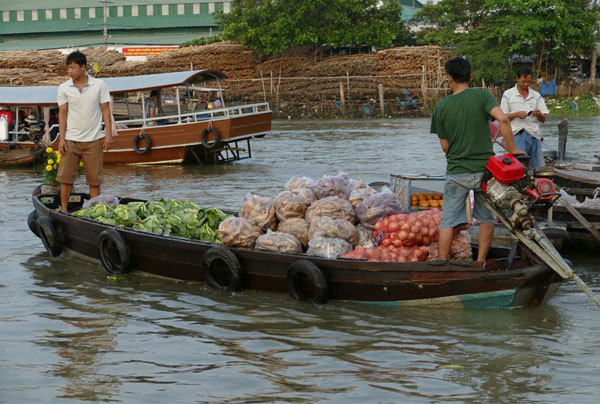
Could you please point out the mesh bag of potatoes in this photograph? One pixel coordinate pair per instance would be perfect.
(378, 206)
(334, 228)
(239, 232)
(278, 242)
(260, 210)
(295, 183)
(293, 204)
(337, 185)
(295, 226)
(332, 206)
(327, 247)
(357, 196)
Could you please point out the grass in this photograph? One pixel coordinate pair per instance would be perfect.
(563, 106)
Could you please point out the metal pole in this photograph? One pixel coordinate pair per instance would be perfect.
(104, 7)
(178, 105)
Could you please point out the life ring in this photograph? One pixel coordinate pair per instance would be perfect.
(31, 222)
(215, 133)
(49, 236)
(225, 256)
(115, 264)
(136, 143)
(312, 272)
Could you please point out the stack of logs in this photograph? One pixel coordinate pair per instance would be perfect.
(297, 75)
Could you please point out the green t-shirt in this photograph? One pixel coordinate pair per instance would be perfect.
(462, 119)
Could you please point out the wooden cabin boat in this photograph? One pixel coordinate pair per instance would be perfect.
(510, 278)
(186, 131)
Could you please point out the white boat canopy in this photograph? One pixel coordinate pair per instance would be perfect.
(47, 95)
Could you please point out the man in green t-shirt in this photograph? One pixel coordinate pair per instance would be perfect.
(461, 123)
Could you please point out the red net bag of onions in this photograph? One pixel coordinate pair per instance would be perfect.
(408, 230)
(389, 254)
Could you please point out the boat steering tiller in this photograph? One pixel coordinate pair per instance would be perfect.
(510, 191)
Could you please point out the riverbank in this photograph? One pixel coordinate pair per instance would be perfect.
(580, 105)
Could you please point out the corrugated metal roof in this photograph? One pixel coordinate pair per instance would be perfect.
(83, 25)
(93, 40)
(45, 5)
(47, 95)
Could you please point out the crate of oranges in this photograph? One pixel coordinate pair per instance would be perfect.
(426, 200)
(418, 191)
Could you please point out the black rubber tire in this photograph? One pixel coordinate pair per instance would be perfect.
(310, 270)
(223, 254)
(31, 222)
(49, 236)
(557, 233)
(124, 253)
(215, 133)
(136, 143)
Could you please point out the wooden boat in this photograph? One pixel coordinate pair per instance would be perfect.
(509, 279)
(184, 132)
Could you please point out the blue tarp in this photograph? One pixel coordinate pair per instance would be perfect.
(548, 87)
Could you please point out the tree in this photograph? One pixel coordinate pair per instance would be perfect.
(491, 32)
(272, 26)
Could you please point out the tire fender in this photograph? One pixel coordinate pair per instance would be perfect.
(314, 274)
(105, 239)
(225, 256)
(49, 236)
(136, 143)
(205, 133)
(31, 219)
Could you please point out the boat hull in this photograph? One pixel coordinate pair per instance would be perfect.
(526, 284)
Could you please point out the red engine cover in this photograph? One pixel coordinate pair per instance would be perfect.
(506, 169)
(542, 186)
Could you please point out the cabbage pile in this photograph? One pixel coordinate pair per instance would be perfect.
(166, 217)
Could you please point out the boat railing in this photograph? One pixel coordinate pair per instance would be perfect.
(205, 115)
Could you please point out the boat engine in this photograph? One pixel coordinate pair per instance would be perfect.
(510, 185)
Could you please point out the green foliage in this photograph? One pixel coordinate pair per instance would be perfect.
(563, 106)
(202, 41)
(491, 32)
(167, 217)
(270, 27)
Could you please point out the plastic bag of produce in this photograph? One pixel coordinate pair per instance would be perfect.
(407, 230)
(295, 226)
(337, 185)
(239, 232)
(332, 206)
(260, 210)
(295, 183)
(389, 254)
(105, 199)
(278, 242)
(460, 250)
(333, 228)
(378, 206)
(357, 196)
(327, 247)
(293, 204)
(365, 237)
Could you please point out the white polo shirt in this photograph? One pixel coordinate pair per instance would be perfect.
(84, 119)
(513, 101)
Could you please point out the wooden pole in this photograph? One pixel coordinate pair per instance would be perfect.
(348, 82)
(342, 98)
(423, 90)
(580, 218)
(381, 102)
(271, 97)
(278, 84)
(262, 79)
(563, 133)
(593, 70)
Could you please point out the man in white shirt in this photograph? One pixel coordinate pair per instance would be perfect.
(526, 108)
(82, 103)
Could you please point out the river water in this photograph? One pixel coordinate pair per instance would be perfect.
(70, 334)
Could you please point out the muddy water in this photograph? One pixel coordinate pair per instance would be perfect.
(67, 333)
